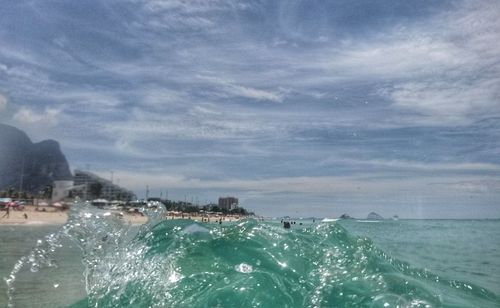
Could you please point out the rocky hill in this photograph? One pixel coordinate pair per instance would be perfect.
(374, 216)
(37, 164)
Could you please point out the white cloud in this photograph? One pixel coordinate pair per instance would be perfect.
(450, 76)
(186, 15)
(480, 186)
(3, 103)
(257, 94)
(442, 70)
(196, 123)
(48, 117)
(90, 98)
(205, 110)
(405, 165)
(326, 185)
(448, 102)
(230, 89)
(157, 97)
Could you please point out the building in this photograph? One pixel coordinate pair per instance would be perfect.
(61, 189)
(228, 203)
(89, 186)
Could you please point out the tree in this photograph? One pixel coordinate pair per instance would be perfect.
(215, 208)
(96, 189)
(241, 211)
(47, 192)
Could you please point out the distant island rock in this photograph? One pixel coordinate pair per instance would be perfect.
(374, 216)
(35, 164)
(345, 216)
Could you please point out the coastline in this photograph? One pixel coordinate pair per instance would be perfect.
(55, 216)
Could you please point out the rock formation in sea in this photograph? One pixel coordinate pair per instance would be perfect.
(29, 166)
(374, 216)
(345, 216)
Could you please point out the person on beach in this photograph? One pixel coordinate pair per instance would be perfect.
(8, 211)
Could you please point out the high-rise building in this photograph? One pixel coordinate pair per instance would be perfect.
(228, 203)
(91, 186)
(61, 189)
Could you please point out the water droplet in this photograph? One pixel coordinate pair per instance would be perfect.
(389, 300)
(174, 277)
(243, 268)
(35, 267)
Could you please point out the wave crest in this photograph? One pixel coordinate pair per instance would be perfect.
(180, 263)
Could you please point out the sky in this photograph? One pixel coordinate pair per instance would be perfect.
(300, 108)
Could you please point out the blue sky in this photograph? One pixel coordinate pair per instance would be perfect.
(296, 107)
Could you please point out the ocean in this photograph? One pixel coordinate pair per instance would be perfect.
(95, 261)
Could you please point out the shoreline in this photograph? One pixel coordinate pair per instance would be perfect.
(30, 216)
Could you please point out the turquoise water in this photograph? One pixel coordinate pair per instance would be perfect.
(99, 262)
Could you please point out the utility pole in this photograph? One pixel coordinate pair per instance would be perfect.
(147, 192)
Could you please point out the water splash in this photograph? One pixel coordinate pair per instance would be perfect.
(180, 263)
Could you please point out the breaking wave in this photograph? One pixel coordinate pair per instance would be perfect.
(181, 263)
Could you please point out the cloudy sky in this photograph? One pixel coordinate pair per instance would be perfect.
(296, 107)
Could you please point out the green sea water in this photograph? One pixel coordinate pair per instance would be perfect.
(95, 261)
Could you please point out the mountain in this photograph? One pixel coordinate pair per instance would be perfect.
(374, 216)
(37, 164)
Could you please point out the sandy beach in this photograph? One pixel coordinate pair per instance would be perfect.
(54, 216)
(50, 216)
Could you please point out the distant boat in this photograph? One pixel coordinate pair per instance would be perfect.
(326, 220)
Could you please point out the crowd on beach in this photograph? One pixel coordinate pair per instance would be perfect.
(12, 213)
(30, 214)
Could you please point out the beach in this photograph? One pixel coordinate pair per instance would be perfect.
(42, 216)
(32, 215)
